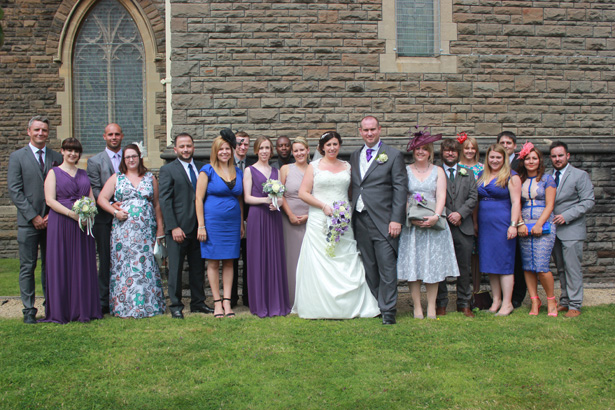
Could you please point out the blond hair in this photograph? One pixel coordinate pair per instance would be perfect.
(472, 140)
(429, 148)
(302, 141)
(503, 174)
(215, 163)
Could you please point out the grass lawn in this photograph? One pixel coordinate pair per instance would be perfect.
(9, 278)
(517, 362)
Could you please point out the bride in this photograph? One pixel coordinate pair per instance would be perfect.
(329, 287)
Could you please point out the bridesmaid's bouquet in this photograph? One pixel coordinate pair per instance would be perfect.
(86, 210)
(338, 225)
(275, 189)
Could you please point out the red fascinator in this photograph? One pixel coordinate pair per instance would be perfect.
(527, 147)
(461, 137)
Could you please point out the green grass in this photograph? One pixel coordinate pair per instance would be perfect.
(9, 278)
(517, 362)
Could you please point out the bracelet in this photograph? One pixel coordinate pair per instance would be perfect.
(115, 213)
(521, 223)
(513, 224)
(201, 227)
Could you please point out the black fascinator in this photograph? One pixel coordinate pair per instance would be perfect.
(229, 136)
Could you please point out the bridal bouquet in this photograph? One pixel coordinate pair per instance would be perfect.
(86, 209)
(338, 225)
(275, 189)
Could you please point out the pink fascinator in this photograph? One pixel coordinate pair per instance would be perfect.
(461, 137)
(421, 137)
(527, 147)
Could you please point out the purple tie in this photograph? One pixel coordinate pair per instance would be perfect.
(368, 153)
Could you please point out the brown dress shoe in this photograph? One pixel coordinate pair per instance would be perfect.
(440, 311)
(573, 313)
(467, 312)
(561, 308)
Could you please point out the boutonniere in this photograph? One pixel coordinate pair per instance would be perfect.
(382, 158)
(463, 172)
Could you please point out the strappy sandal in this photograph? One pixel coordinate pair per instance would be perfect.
(218, 315)
(539, 305)
(232, 314)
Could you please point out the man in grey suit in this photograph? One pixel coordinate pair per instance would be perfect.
(461, 199)
(574, 198)
(379, 194)
(100, 168)
(176, 196)
(27, 171)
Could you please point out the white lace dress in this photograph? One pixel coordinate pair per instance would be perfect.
(425, 254)
(331, 287)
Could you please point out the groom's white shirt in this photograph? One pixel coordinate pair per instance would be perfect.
(363, 167)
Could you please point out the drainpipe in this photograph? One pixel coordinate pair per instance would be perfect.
(167, 81)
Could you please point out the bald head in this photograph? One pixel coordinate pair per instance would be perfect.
(113, 137)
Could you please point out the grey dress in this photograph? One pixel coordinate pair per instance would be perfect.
(425, 254)
(293, 234)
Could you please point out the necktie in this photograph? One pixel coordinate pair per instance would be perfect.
(368, 154)
(40, 159)
(557, 174)
(452, 174)
(192, 176)
(116, 162)
(241, 164)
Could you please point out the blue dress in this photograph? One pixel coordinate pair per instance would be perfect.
(497, 253)
(536, 250)
(222, 216)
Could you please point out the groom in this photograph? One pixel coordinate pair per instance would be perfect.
(379, 194)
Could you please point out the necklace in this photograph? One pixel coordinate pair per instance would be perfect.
(421, 171)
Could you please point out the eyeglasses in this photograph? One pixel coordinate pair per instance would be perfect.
(131, 157)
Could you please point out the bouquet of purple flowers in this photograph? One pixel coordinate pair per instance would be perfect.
(338, 225)
(274, 189)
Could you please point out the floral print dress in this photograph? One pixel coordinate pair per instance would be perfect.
(136, 286)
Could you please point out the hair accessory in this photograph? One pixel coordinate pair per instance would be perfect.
(325, 134)
(229, 136)
(141, 147)
(461, 137)
(421, 137)
(527, 147)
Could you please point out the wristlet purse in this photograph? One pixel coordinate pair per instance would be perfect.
(423, 208)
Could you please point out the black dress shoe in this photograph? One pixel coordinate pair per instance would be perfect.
(388, 318)
(177, 314)
(29, 318)
(202, 309)
(517, 303)
(105, 310)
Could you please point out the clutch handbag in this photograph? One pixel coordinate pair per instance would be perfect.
(419, 210)
(546, 227)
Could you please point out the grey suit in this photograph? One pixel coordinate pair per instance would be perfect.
(26, 188)
(99, 171)
(574, 198)
(462, 197)
(384, 191)
(176, 197)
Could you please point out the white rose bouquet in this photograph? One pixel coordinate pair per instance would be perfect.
(275, 189)
(86, 210)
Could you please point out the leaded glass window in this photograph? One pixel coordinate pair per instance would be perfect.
(418, 28)
(108, 76)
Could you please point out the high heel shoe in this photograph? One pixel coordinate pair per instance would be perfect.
(232, 314)
(554, 314)
(539, 305)
(218, 315)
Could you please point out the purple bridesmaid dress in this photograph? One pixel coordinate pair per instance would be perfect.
(72, 281)
(267, 281)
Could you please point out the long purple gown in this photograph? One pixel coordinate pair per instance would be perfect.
(72, 281)
(267, 281)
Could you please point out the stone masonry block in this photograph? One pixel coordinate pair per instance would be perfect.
(311, 73)
(458, 89)
(263, 116)
(191, 101)
(532, 15)
(190, 10)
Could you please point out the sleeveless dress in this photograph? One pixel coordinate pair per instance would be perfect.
(425, 254)
(72, 282)
(267, 282)
(136, 287)
(476, 169)
(293, 234)
(222, 216)
(496, 252)
(331, 287)
(536, 250)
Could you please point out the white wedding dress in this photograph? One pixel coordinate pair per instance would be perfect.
(331, 287)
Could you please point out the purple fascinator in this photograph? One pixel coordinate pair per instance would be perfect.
(421, 137)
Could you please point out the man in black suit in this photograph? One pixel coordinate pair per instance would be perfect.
(26, 175)
(100, 168)
(461, 199)
(242, 161)
(177, 195)
(283, 149)
(508, 140)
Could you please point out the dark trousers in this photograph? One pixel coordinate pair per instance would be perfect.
(380, 261)
(102, 234)
(30, 239)
(244, 286)
(463, 252)
(190, 248)
(520, 288)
